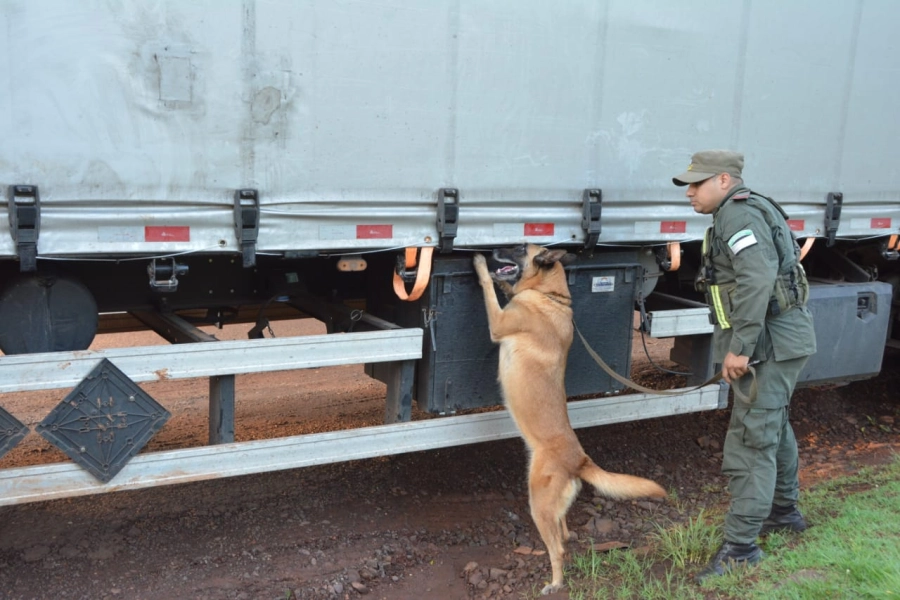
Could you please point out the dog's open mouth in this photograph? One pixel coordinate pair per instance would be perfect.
(506, 273)
(504, 267)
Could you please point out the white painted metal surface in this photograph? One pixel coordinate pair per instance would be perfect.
(348, 116)
(682, 321)
(31, 484)
(160, 363)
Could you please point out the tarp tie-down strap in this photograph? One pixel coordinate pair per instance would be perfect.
(673, 249)
(423, 273)
(807, 246)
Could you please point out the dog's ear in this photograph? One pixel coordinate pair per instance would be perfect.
(547, 258)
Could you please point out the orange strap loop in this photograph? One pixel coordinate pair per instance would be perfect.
(674, 251)
(894, 242)
(807, 245)
(423, 273)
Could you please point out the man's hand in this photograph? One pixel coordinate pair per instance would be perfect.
(734, 367)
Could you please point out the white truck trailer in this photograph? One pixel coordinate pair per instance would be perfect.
(173, 163)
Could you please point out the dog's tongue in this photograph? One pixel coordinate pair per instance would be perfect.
(506, 270)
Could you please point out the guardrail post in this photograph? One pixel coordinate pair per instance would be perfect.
(399, 380)
(221, 409)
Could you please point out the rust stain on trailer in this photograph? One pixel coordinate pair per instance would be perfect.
(162, 374)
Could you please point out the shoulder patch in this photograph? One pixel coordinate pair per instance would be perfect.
(742, 240)
(741, 196)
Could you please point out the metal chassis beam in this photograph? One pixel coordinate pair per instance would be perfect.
(221, 387)
(172, 328)
(48, 482)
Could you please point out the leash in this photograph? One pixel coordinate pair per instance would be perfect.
(627, 382)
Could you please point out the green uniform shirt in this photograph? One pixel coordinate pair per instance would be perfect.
(750, 246)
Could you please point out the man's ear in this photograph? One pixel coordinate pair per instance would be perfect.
(547, 258)
(725, 181)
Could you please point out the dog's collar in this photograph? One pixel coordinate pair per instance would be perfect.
(559, 298)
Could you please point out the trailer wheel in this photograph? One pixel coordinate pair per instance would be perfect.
(46, 313)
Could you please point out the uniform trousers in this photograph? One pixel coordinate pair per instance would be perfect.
(760, 450)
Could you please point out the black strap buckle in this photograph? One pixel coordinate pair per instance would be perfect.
(833, 203)
(246, 224)
(407, 275)
(591, 203)
(447, 217)
(25, 223)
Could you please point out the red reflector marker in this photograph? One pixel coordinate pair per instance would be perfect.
(374, 232)
(881, 223)
(797, 224)
(539, 229)
(672, 226)
(167, 233)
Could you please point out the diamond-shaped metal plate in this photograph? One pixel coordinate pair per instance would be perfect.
(11, 431)
(104, 421)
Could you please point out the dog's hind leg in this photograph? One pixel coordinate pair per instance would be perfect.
(551, 492)
(568, 536)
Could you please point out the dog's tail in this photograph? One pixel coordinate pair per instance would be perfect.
(618, 486)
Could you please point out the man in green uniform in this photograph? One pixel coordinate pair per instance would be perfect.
(757, 292)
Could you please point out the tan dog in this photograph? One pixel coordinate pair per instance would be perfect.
(534, 331)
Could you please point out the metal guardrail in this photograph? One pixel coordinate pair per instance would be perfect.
(105, 420)
(159, 363)
(49, 482)
(401, 347)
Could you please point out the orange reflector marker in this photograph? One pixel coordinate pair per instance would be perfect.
(352, 263)
(423, 273)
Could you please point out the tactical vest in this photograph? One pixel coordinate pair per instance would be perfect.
(791, 287)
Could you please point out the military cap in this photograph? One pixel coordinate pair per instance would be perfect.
(710, 163)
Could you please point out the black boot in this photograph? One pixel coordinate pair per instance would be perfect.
(729, 556)
(783, 518)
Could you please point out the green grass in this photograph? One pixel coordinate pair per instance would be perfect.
(852, 551)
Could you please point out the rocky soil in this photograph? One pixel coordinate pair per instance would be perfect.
(449, 523)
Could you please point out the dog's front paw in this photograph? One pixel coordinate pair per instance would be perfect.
(481, 268)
